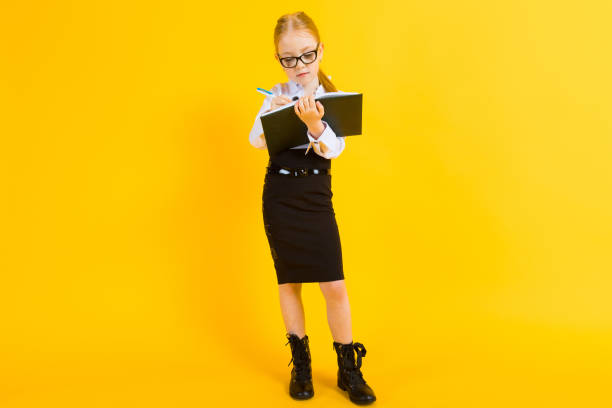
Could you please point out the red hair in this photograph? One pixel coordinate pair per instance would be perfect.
(300, 21)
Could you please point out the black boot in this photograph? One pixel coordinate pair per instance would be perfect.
(350, 377)
(300, 386)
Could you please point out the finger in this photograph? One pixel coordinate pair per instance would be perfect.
(307, 103)
(320, 108)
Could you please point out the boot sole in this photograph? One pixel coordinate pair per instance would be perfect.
(302, 398)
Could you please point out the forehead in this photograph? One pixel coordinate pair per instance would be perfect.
(296, 42)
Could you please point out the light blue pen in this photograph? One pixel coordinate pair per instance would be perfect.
(263, 91)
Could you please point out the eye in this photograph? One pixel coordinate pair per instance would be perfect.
(288, 62)
(309, 56)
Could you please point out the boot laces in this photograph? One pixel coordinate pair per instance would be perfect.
(354, 371)
(300, 357)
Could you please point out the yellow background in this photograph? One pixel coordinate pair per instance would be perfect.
(475, 211)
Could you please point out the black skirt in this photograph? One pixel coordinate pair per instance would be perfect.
(300, 221)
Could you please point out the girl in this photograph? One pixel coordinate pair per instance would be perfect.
(298, 215)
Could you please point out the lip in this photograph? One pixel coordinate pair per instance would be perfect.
(302, 74)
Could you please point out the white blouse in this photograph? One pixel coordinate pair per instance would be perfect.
(328, 145)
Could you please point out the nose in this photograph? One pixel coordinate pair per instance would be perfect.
(299, 61)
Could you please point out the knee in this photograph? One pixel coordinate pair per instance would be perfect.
(291, 288)
(334, 291)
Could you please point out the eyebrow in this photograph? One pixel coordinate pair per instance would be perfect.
(302, 50)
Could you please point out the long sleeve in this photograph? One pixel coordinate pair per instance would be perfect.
(256, 137)
(328, 145)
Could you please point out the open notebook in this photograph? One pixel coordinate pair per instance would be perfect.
(283, 129)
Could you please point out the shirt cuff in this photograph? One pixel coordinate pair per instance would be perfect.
(328, 137)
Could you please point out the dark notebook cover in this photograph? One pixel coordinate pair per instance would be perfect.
(283, 129)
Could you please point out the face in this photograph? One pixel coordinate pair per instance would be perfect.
(294, 44)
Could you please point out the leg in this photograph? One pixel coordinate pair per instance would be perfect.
(290, 295)
(300, 386)
(338, 310)
(350, 377)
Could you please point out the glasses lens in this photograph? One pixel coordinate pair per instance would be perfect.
(309, 57)
(289, 62)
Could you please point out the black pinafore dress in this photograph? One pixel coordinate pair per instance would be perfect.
(300, 221)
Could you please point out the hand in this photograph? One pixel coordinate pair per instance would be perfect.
(279, 101)
(308, 111)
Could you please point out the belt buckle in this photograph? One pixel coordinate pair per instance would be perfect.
(300, 172)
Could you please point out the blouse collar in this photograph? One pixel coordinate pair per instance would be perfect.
(297, 89)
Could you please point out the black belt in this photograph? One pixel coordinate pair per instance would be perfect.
(296, 171)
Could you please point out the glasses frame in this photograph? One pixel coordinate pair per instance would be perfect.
(316, 51)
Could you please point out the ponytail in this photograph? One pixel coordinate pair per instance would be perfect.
(326, 82)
